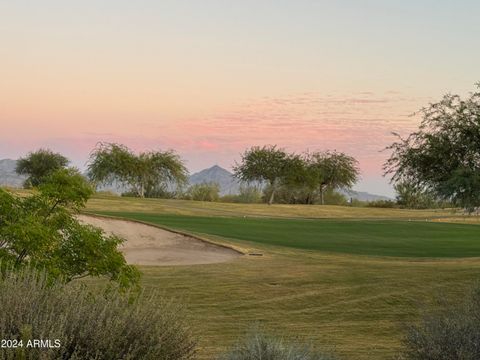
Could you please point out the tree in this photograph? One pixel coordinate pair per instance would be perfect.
(443, 156)
(41, 231)
(38, 165)
(144, 173)
(264, 164)
(331, 170)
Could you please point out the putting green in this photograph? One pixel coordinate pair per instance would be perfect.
(375, 238)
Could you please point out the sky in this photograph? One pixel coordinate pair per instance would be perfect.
(212, 78)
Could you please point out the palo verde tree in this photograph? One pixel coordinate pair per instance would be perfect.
(330, 170)
(265, 164)
(38, 165)
(144, 173)
(41, 231)
(443, 156)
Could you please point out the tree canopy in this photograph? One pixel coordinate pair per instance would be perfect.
(144, 173)
(300, 178)
(264, 164)
(41, 231)
(443, 155)
(331, 170)
(38, 165)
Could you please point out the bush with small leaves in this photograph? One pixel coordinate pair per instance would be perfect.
(452, 331)
(81, 324)
(203, 192)
(259, 346)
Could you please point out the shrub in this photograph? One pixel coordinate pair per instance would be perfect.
(247, 195)
(332, 197)
(382, 204)
(102, 325)
(203, 192)
(453, 332)
(259, 346)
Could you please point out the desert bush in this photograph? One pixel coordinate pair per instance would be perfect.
(157, 193)
(87, 325)
(358, 203)
(332, 197)
(452, 331)
(382, 204)
(203, 192)
(246, 195)
(259, 346)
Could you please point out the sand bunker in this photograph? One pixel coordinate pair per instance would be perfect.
(149, 245)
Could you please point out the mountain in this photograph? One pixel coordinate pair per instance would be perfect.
(363, 196)
(8, 176)
(228, 184)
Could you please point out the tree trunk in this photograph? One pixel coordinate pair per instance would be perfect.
(272, 195)
(321, 195)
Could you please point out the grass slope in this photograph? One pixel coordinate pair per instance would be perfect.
(377, 238)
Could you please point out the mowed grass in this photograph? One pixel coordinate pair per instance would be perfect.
(376, 238)
(200, 208)
(346, 285)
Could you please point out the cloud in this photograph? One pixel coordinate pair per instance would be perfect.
(357, 123)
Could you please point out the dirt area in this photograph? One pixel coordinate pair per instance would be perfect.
(149, 245)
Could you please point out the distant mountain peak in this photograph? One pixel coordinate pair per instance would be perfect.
(216, 174)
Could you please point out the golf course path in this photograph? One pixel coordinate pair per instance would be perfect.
(150, 245)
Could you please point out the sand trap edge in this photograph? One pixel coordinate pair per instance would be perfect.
(166, 228)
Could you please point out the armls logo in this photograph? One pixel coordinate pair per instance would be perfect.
(39, 343)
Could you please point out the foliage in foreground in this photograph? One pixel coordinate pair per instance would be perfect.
(453, 332)
(95, 326)
(260, 346)
(41, 231)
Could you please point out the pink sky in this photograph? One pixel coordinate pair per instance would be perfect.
(211, 78)
(358, 123)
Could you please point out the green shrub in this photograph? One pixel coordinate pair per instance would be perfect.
(203, 192)
(105, 325)
(450, 332)
(247, 195)
(259, 346)
(358, 203)
(154, 193)
(387, 204)
(332, 197)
